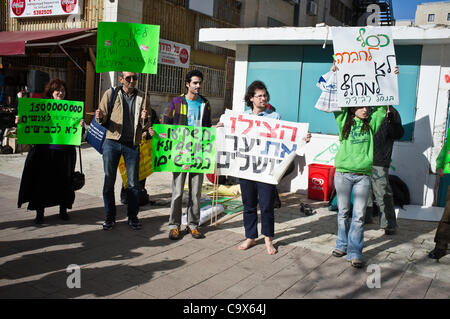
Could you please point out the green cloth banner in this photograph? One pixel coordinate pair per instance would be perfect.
(178, 148)
(45, 121)
(131, 47)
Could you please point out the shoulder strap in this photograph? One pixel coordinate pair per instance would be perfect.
(79, 152)
(114, 92)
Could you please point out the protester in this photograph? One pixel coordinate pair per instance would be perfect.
(128, 118)
(391, 129)
(442, 237)
(353, 164)
(48, 170)
(143, 195)
(190, 109)
(253, 192)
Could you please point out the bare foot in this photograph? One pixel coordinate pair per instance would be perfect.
(247, 244)
(271, 250)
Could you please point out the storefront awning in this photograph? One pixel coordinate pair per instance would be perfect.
(13, 43)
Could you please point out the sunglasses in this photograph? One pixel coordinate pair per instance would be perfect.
(128, 78)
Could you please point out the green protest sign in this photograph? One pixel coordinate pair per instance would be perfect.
(131, 47)
(447, 154)
(45, 121)
(178, 148)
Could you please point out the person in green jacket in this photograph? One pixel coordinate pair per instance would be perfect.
(442, 237)
(353, 162)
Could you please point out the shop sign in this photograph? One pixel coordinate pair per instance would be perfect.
(41, 8)
(173, 53)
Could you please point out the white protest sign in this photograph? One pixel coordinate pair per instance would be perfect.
(257, 148)
(365, 58)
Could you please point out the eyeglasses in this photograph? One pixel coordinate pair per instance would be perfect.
(260, 96)
(128, 78)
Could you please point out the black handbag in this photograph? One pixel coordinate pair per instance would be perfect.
(78, 177)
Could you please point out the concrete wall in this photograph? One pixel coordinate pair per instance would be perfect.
(254, 13)
(414, 161)
(323, 13)
(439, 9)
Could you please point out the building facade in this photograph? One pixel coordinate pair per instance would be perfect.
(301, 13)
(433, 13)
(179, 20)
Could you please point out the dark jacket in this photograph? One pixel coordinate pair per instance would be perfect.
(177, 112)
(391, 129)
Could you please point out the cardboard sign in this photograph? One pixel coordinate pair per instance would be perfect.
(447, 156)
(130, 47)
(46, 121)
(179, 148)
(257, 148)
(365, 58)
(145, 162)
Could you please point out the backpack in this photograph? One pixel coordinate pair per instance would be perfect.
(400, 191)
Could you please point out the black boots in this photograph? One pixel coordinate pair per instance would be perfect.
(439, 251)
(63, 213)
(39, 216)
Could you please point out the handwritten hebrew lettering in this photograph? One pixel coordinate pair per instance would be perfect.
(261, 151)
(128, 46)
(257, 162)
(366, 60)
(185, 149)
(60, 121)
(272, 130)
(247, 147)
(276, 148)
(247, 161)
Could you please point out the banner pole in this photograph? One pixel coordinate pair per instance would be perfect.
(145, 99)
(99, 90)
(216, 179)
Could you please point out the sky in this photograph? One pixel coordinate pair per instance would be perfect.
(406, 9)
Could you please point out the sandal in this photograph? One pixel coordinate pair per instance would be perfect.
(338, 253)
(357, 263)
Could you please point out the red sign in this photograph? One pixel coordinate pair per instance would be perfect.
(18, 7)
(184, 56)
(68, 5)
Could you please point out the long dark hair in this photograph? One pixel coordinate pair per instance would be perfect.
(255, 85)
(52, 86)
(350, 121)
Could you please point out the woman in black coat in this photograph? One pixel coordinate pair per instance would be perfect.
(48, 170)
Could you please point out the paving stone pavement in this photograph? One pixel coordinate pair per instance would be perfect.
(145, 264)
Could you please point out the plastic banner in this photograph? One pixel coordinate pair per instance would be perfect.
(145, 162)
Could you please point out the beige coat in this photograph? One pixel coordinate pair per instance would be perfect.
(116, 120)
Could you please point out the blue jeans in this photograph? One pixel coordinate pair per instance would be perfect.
(252, 194)
(350, 238)
(112, 150)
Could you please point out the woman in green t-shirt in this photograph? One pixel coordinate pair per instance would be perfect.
(353, 162)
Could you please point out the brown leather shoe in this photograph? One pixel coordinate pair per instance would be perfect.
(195, 233)
(174, 234)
